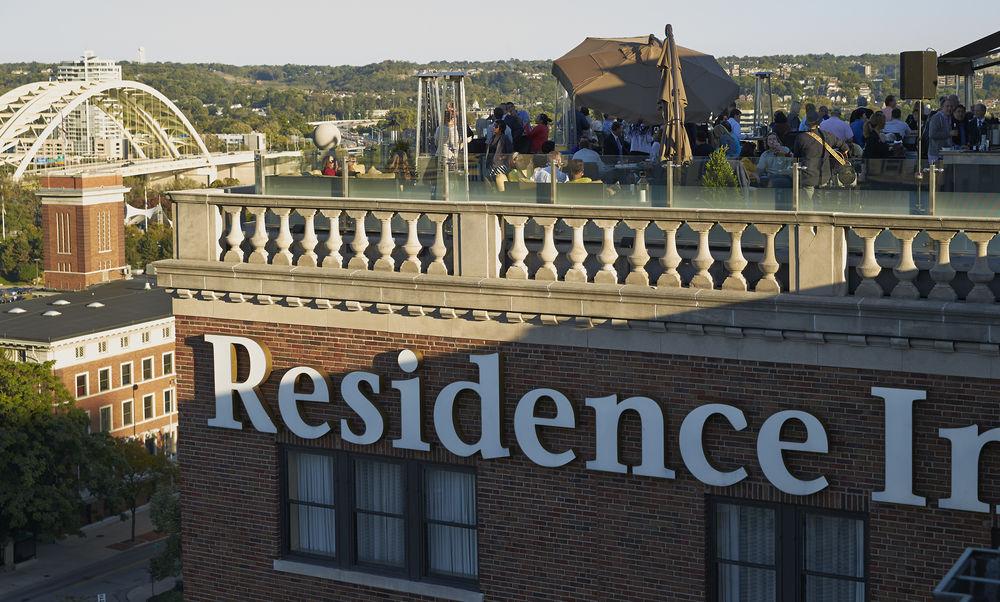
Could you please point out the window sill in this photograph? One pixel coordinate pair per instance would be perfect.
(443, 592)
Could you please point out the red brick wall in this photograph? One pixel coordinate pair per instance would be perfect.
(571, 533)
(87, 265)
(96, 399)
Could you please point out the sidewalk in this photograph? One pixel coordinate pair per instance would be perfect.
(75, 554)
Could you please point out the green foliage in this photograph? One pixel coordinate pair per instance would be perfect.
(135, 473)
(165, 512)
(23, 244)
(47, 456)
(718, 172)
(224, 183)
(143, 248)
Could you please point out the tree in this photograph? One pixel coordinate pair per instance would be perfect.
(47, 457)
(165, 512)
(135, 473)
(718, 172)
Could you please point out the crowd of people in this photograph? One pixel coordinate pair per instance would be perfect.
(824, 142)
(511, 147)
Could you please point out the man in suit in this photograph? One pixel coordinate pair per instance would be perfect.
(979, 124)
(614, 144)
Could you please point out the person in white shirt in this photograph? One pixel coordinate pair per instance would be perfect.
(897, 126)
(543, 175)
(734, 123)
(837, 126)
(586, 153)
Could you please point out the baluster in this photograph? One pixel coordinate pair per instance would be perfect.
(360, 242)
(259, 239)
(608, 255)
(671, 258)
(639, 257)
(942, 273)
(548, 253)
(735, 280)
(703, 260)
(769, 266)
(981, 273)
(868, 269)
(578, 252)
(386, 243)
(905, 270)
(334, 241)
(518, 250)
(235, 237)
(308, 258)
(438, 249)
(411, 264)
(284, 239)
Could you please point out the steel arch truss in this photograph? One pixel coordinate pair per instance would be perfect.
(146, 120)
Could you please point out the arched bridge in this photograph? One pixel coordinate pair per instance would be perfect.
(50, 124)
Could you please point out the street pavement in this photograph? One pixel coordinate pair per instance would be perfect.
(79, 569)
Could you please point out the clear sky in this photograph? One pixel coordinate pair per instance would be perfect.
(336, 32)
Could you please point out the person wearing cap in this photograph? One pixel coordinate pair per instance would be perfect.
(816, 159)
(837, 126)
(539, 134)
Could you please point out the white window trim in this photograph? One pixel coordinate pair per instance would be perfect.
(111, 408)
(152, 406)
(172, 368)
(86, 385)
(128, 341)
(131, 371)
(111, 380)
(129, 401)
(152, 369)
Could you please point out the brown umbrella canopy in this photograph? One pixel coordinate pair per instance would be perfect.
(675, 145)
(619, 76)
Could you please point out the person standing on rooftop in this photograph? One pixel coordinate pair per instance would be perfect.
(804, 124)
(890, 104)
(939, 130)
(793, 116)
(734, 123)
(837, 126)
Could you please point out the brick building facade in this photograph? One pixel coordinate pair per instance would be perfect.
(82, 219)
(570, 533)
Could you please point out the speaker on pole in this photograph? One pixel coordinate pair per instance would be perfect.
(918, 75)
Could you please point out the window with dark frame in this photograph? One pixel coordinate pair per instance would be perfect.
(168, 363)
(405, 518)
(147, 407)
(147, 368)
(784, 553)
(105, 418)
(104, 379)
(126, 373)
(81, 385)
(127, 412)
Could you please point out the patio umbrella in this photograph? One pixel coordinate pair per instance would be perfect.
(621, 77)
(675, 145)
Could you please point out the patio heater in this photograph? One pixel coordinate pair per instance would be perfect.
(762, 79)
(437, 90)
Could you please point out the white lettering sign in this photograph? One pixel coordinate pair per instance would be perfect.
(360, 392)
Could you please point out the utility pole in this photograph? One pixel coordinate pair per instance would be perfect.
(3, 216)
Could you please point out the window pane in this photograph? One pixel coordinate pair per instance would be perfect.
(380, 539)
(311, 479)
(746, 584)
(378, 486)
(450, 496)
(452, 550)
(744, 533)
(312, 530)
(826, 589)
(835, 545)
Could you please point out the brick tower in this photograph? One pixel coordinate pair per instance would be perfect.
(83, 229)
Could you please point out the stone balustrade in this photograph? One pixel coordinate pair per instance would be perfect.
(753, 252)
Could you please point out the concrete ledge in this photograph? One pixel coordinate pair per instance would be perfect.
(419, 588)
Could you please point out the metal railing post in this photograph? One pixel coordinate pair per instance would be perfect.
(795, 185)
(932, 171)
(554, 171)
(345, 178)
(670, 184)
(446, 189)
(258, 173)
